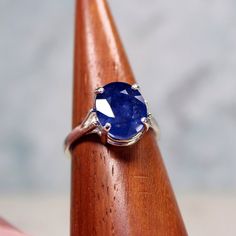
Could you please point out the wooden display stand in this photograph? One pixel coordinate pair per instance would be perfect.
(115, 191)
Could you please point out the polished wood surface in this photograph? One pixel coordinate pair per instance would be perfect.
(7, 229)
(115, 191)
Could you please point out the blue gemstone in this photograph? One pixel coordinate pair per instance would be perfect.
(122, 107)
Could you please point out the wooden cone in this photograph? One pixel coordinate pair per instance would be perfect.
(115, 191)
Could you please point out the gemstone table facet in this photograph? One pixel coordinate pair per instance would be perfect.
(123, 107)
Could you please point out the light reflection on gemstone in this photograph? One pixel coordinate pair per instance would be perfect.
(124, 92)
(104, 107)
(140, 98)
(139, 128)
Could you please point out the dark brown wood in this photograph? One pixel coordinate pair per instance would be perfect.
(115, 191)
(7, 229)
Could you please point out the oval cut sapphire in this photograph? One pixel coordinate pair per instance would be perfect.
(123, 107)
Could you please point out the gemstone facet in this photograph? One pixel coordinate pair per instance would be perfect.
(123, 107)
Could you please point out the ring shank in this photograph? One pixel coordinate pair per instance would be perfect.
(91, 125)
(86, 127)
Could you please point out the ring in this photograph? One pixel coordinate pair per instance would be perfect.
(119, 116)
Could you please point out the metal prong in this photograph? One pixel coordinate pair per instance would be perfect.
(149, 116)
(135, 87)
(144, 119)
(154, 125)
(107, 126)
(99, 90)
(104, 132)
(146, 122)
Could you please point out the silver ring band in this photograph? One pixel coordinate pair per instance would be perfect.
(91, 125)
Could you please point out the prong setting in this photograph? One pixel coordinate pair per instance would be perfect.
(146, 122)
(107, 127)
(99, 90)
(104, 132)
(135, 87)
(105, 109)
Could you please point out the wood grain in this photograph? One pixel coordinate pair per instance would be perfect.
(115, 191)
